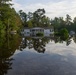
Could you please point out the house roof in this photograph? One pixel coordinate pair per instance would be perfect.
(38, 28)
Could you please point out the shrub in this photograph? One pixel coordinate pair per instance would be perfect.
(40, 34)
(57, 34)
(64, 35)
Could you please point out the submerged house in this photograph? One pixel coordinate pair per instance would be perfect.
(35, 30)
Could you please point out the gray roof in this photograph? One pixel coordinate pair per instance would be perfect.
(38, 27)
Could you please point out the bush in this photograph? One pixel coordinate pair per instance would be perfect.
(57, 34)
(40, 34)
(64, 35)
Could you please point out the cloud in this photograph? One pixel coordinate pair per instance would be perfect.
(17, 6)
(53, 9)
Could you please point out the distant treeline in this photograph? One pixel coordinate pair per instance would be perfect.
(38, 18)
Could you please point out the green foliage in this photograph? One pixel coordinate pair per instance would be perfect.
(68, 20)
(23, 17)
(9, 19)
(8, 45)
(64, 35)
(29, 23)
(57, 34)
(74, 24)
(40, 34)
(58, 23)
(2, 27)
(35, 19)
(39, 19)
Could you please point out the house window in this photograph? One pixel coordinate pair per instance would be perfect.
(33, 30)
(27, 32)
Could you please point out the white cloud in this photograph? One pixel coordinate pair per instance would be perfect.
(17, 6)
(53, 9)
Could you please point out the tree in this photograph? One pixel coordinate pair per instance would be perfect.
(55, 23)
(45, 22)
(15, 21)
(37, 17)
(68, 20)
(8, 16)
(29, 23)
(30, 16)
(23, 16)
(74, 24)
(2, 27)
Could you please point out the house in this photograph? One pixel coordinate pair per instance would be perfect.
(33, 31)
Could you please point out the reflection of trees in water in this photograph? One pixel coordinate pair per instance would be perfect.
(8, 45)
(5, 64)
(59, 40)
(68, 41)
(37, 43)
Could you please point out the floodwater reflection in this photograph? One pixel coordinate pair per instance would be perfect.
(37, 43)
(8, 46)
(37, 56)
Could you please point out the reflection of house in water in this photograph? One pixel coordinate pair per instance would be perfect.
(35, 30)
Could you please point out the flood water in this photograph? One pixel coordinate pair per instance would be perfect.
(37, 56)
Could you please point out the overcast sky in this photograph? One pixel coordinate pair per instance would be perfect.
(53, 8)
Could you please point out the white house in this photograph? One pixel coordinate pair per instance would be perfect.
(35, 30)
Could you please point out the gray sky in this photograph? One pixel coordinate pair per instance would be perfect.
(53, 8)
